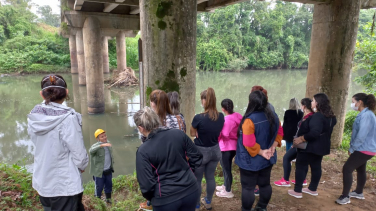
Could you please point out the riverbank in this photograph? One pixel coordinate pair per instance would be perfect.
(16, 191)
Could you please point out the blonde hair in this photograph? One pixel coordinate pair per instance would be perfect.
(294, 105)
(147, 119)
(210, 103)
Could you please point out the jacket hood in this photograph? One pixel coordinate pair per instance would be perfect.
(44, 118)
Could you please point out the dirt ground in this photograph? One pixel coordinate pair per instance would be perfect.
(329, 190)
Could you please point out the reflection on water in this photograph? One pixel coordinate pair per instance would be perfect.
(18, 95)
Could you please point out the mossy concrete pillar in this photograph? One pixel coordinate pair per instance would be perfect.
(73, 54)
(169, 49)
(106, 64)
(80, 58)
(333, 39)
(93, 65)
(121, 51)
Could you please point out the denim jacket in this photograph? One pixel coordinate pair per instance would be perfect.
(363, 136)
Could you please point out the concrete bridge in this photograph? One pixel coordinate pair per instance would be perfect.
(169, 46)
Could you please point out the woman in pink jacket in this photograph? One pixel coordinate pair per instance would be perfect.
(227, 142)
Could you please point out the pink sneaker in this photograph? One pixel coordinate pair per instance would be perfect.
(295, 194)
(304, 182)
(220, 188)
(224, 194)
(282, 183)
(308, 191)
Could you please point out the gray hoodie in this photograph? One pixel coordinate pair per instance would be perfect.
(60, 153)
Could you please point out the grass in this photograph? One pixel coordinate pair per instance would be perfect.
(16, 192)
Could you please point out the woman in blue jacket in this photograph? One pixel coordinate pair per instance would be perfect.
(362, 146)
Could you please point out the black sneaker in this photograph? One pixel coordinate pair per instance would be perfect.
(343, 200)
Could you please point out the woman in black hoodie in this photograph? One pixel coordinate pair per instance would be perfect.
(290, 122)
(165, 176)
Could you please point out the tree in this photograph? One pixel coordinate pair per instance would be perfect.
(48, 17)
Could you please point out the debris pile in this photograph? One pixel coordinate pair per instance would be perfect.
(126, 77)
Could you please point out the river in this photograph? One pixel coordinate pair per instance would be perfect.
(19, 94)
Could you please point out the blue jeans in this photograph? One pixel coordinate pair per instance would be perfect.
(104, 181)
(288, 145)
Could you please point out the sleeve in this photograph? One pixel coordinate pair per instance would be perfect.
(145, 176)
(195, 121)
(194, 155)
(315, 127)
(249, 138)
(364, 128)
(94, 148)
(284, 124)
(72, 137)
(279, 135)
(228, 126)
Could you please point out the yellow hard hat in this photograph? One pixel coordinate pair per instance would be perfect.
(98, 132)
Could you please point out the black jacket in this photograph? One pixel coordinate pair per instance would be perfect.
(290, 124)
(317, 131)
(163, 172)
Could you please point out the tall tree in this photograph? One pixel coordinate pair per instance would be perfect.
(48, 17)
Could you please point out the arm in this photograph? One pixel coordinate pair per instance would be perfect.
(195, 122)
(74, 141)
(278, 139)
(193, 132)
(315, 128)
(227, 128)
(195, 156)
(145, 176)
(364, 127)
(249, 138)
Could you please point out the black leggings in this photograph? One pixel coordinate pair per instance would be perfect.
(249, 180)
(303, 160)
(358, 161)
(226, 163)
(187, 203)
(287, 158)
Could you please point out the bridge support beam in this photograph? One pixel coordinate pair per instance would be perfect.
(333, 39)
(73, 54)
(106, 64)
(121, 51)
(80, 58)
(94, 65)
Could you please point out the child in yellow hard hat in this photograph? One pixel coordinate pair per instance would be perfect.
(101, 165)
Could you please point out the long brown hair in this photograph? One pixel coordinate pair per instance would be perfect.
(210, 103)
(160, 99)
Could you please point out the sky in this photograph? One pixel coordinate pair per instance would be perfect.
(54, 4)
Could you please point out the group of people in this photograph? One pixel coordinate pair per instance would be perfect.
(170, 166)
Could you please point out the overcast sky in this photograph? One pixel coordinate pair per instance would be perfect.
(54, 4)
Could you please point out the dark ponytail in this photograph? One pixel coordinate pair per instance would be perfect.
(307, 103)
(368, 100)
(54, 88)
(228, 105)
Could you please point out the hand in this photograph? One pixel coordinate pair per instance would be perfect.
(265, 153)
(196, 134)
(349, 153)
(106, 145)
(298, 140)
(82, 171)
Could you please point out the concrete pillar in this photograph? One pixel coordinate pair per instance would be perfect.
(169, 49)
(106, 64)
(73, 54)
(76, 93)
(93, 65)
(121, 51)
(333, 39)
(80, 58)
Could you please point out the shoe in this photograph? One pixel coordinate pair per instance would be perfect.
(206, 203)
(257, 192)
(220, 188)
(343, 200)
(295, 194)
(145, 206)
(304, 182)
(294, 161)
(282, 183)
(308, 191)
(224, 194)
(108, 198)
(356, 195)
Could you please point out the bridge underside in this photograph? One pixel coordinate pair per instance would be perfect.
(169, 45)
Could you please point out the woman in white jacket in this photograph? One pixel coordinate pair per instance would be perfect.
(60, 155)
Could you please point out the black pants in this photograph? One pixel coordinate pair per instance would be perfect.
(287, 158)
(249, 180)
(187, 203)
(358, 161)
(226, 163)
(303, 160)
(62, 203)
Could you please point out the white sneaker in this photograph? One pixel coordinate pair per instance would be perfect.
(293, 161)
(224, 194)
(220, 188)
